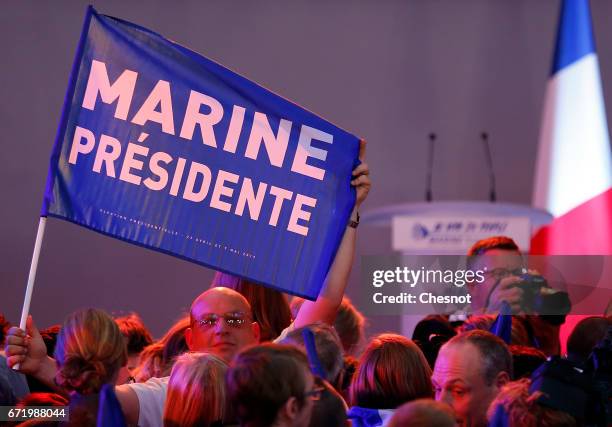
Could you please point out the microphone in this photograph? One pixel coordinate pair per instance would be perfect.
(432, 141)
(487, 148)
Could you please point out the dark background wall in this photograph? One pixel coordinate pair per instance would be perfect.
(389, 71)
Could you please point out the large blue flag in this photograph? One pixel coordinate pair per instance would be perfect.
(161, 147)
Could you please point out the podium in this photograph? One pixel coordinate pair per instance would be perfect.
(451, 228)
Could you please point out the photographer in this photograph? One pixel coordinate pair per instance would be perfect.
(526, 293)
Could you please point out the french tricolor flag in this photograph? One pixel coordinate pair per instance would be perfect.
(573, 179)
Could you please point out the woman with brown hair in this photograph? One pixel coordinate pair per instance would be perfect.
(349, 324)
(392, 370)
(156, 360)
(90, 351)
(516, 406)
(196, 391)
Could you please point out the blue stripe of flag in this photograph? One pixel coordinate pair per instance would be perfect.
(575, 34)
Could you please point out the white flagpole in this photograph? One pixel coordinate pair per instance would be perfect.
(32, 275)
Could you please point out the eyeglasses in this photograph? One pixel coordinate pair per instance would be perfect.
(502, 273)
(233, 320)
(315, 393)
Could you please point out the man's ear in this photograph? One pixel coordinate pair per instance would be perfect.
(189, 338)
(287, 412)
(256, 331)
(502, 379)
(291, 408)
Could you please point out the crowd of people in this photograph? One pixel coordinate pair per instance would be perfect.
(247, 355)
(215, 368)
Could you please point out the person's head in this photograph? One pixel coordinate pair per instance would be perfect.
(343, 384)
(89, 352)
(269, 306)
(498, 257)
(525, 360)
(330, 409)
(151, 364)
(392, 370)
(423, 413)
(430, 333)
(470, 369)
(349, 324)
(196, 391)
(136, 334)
(49, 336)
(156, 360)
(271, 384)
(519, 408)
(586, 334)
(221, 322)
(174, 342)
(137, 337)
(483, 246)
(328, 347)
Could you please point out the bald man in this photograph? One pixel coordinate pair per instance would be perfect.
(221, 323)
(470, 370)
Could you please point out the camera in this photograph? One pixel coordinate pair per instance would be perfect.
(539, 298)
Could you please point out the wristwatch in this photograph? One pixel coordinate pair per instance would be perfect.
(354, 222)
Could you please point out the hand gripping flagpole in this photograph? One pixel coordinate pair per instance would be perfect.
(32, 276)
(55, 153)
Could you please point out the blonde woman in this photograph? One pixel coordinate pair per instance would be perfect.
(90, 351)
(196, 391)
